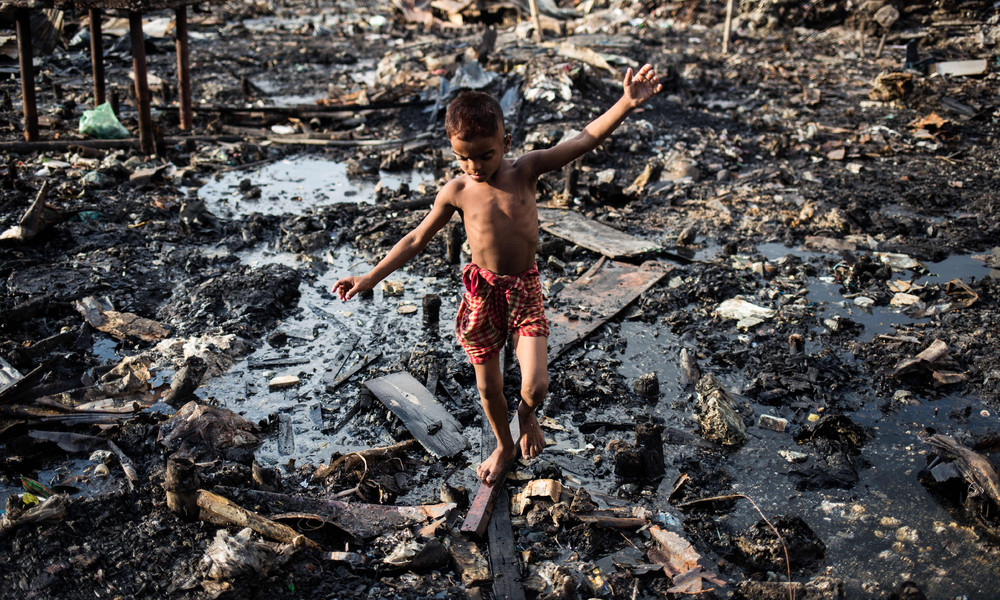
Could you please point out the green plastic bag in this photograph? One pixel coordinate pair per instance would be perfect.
(102, 124)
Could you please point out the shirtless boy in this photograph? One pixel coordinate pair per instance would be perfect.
(496, 196)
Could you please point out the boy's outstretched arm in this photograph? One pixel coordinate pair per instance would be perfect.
(637, 88)
(406, 248)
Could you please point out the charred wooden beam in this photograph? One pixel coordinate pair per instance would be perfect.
(220, 510)
(146, 142)
(97, 56)
(183, 69)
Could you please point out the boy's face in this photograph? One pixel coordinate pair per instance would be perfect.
(480, 158)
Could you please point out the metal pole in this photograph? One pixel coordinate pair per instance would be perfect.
(146, 145)
(184, 69)
(97, 56)
(25, 55)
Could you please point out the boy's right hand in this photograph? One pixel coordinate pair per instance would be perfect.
(347, 287)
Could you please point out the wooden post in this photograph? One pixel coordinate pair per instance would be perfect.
(569, 190)
(146, 143)
(537, 19)
(881, 44)
(432, 315)
(180, 482)
(729, 27)
(25, 55)
(183, 69)
(649, 443)
(97, 57)
(115, 103)
(453, 244)
(11, 177)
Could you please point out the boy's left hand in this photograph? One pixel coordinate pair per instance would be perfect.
(641, 86)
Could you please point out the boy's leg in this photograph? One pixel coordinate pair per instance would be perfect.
(533, 357)
(489, 380)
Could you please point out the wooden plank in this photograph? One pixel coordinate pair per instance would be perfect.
(351, 372)
(217, 509)
(593, 235)
(481, 509)
(360, 520)
(957, 68)
(597, 296)
(340, 359)
(503, 562)
(270, 363)
(424, 417)
(503, 553)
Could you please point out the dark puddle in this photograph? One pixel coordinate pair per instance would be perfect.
(295, 186)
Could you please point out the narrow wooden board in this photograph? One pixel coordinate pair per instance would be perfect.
(503, 558)
(597, 296)
(503, 553)
(482, 505)
(360, 520)
(415, 405)
(339, 360)
(960, 67)
(593, 235)
(363, 363)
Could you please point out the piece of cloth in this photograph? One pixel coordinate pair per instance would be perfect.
(494, 306)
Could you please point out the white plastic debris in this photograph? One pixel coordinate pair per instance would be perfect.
(745, 313)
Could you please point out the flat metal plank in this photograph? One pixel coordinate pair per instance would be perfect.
(593, 235)
(427, 419)
(597, 296)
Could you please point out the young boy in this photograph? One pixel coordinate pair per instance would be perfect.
(496, 197)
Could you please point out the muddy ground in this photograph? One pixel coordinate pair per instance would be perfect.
(840, 192)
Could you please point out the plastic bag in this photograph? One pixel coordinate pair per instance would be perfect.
(102, 124)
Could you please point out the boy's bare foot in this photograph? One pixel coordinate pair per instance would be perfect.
(490, 469)
(532, 439)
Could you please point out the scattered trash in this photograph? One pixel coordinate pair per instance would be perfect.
(850, 237)
(231, 558)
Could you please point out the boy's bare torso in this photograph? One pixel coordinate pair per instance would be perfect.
(501, 218)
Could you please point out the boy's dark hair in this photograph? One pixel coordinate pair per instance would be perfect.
(473, 114)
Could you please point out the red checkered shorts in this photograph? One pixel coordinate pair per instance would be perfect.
(495, 305)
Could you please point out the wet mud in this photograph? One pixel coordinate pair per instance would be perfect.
(829, 414)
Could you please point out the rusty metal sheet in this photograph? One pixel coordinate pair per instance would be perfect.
(593, 235)
(426, 418)
(598, 295)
